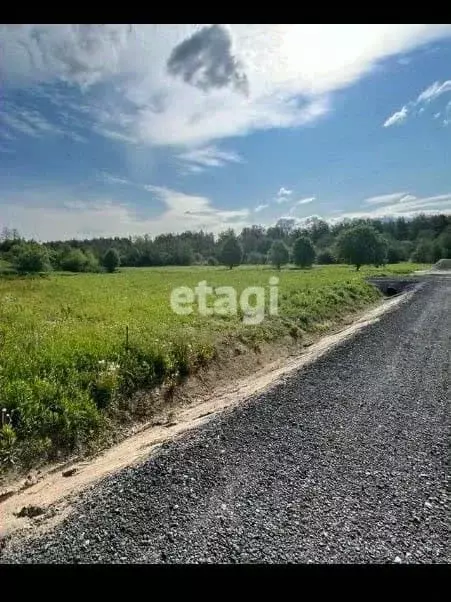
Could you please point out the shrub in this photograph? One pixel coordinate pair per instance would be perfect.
(77, 261)
(31, 258)
(212, 261)
(92, 263)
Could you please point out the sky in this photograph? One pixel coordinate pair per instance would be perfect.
(123, 130)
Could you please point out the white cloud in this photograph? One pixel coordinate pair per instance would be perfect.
(18, 125)
(407, 198)
(291, 70)
(407, 205)
(47, 217)
(110, 179)
(57, 214)
(114, 135)
(284, 192)
(384, 198)
(190, 169)
(397, 118)
(32, 123)
(283, 195)
(297, 204)
(261, 207)
(434, 91)
(305, 201)
(418, 106)
(196, 160)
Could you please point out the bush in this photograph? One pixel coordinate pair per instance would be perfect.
(278, 254)
(212, 261)
(47, 416)
(303, 252)
(31, 258)
(111, 260)
(77, 261)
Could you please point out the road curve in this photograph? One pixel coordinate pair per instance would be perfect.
(345, 461)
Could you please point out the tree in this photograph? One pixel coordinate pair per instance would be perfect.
(111, 260)
(445, 242)
(423, 253)
(303, 252)
(77, 261)
(231, 252)
(31, 258)
(393, 253)
(360, 245)
(278, 254)
(380, 251)
(437, 251)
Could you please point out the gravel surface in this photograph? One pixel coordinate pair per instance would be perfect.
(346, 461)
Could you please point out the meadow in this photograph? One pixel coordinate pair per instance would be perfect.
(74, 346)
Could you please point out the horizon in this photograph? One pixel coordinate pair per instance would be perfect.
(8, 233)
(125, 130)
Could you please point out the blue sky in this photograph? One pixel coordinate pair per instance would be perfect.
(124, 130)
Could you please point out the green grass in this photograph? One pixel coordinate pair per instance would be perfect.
(65, 364)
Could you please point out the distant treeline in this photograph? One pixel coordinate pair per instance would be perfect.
(422, 239)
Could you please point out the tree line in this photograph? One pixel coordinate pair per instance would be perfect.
(422, 239)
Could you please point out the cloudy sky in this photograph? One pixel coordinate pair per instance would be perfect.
(132, 129)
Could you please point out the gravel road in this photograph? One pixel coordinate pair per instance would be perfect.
(346, 461)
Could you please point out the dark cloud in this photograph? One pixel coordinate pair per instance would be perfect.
(205, 60)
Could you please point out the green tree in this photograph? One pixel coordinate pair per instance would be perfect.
(111, 260)
(423, 252)
(231, 252)
(361, 245)
(30, 258)
(445, 242)
(437, 251)
(303, 252)
(77, 261)
(278, 254)
(380, 251)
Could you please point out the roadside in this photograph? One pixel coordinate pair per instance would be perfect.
(344, 460)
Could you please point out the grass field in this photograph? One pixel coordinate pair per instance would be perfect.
(65, 358)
